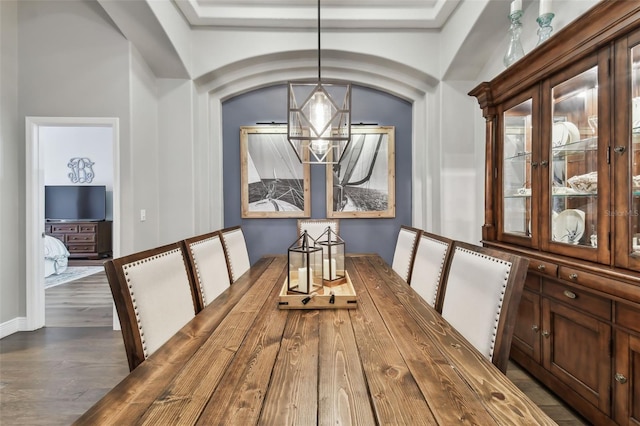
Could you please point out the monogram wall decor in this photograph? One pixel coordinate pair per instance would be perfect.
(81, 170)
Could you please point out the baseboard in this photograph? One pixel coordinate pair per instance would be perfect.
(13, 326)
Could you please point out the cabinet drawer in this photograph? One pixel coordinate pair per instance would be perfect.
(587, 279)
(541, 267)
(87, 227)
(81, 238)
(578, 299)
(628, 316)
(82, 248)
(64, 228)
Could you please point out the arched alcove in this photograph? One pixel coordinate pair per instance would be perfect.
(411, 85)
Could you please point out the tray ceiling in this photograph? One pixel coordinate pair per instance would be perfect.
(339, 14)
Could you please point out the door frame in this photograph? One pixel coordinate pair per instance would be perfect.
(35, 300)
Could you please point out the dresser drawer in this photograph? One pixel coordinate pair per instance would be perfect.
(578, 299)
(81, 238)
(62, 227)
(81, 248)
(587, 279)
(544, 268)
(87, 227)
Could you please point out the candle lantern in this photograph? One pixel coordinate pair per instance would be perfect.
(333, 272)
(305, 266)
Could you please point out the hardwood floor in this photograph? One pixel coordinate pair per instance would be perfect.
(53, 375)
(543, 398)
(86, 302)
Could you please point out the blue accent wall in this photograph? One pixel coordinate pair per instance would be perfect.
(269, 236)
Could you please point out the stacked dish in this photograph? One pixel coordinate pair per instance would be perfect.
(564, 132)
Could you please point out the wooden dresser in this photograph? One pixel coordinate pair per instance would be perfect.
(92, 240)
(562, 187)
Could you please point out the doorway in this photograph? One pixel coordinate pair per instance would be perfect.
(37, 131)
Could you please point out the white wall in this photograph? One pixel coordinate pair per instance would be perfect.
(143, 157)
(177, 164)
(565, 12)
(72, 62)
(417, 50)
(63, 143)
(461, 186)
(12, 247)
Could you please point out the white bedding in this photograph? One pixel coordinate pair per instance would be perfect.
(56, 256)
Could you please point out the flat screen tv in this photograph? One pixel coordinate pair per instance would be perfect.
(75, 202)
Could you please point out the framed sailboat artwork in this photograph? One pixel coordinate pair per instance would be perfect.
(362, 185)
(274, 183)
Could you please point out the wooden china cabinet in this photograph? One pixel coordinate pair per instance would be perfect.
(562, 187)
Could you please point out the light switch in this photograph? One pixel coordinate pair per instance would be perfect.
(143, 215)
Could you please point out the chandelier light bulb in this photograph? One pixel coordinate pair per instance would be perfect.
(320, 114)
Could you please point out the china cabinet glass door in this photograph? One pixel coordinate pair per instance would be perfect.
(519, 211)
(626, 211)
(634, 177)
(574, 163)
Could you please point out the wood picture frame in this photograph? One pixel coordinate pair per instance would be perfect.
(363, 184)
(274, 183)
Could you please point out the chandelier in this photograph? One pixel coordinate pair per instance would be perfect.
(319, 117)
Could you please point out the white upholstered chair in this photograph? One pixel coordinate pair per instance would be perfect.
(405, 251)
(429, 266)
(481, 297)
(208, 266)
(315, 227)
(154, 298)
(235, 249)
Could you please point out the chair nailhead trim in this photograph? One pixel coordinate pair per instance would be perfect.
(502, 291)
(195, 263)
(233, 274)
(126, 269)
(442, 259)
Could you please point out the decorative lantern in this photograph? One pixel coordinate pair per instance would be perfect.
(305, 266)
(333, 272)
(319, 123)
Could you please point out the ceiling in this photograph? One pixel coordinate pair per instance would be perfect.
(161, 30)
(339, 14)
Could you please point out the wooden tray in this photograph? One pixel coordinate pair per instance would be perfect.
(344, 297)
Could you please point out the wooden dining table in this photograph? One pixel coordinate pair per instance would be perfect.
(391, 360)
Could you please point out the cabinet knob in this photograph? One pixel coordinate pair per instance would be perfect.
(541, 267)
(546, 333)
(544, 163)
(534, 164)
(535, 328)
(619, 149)
(570, 294)
(620, 378)
(573, 277)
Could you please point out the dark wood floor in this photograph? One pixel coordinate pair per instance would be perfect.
(53, 375)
